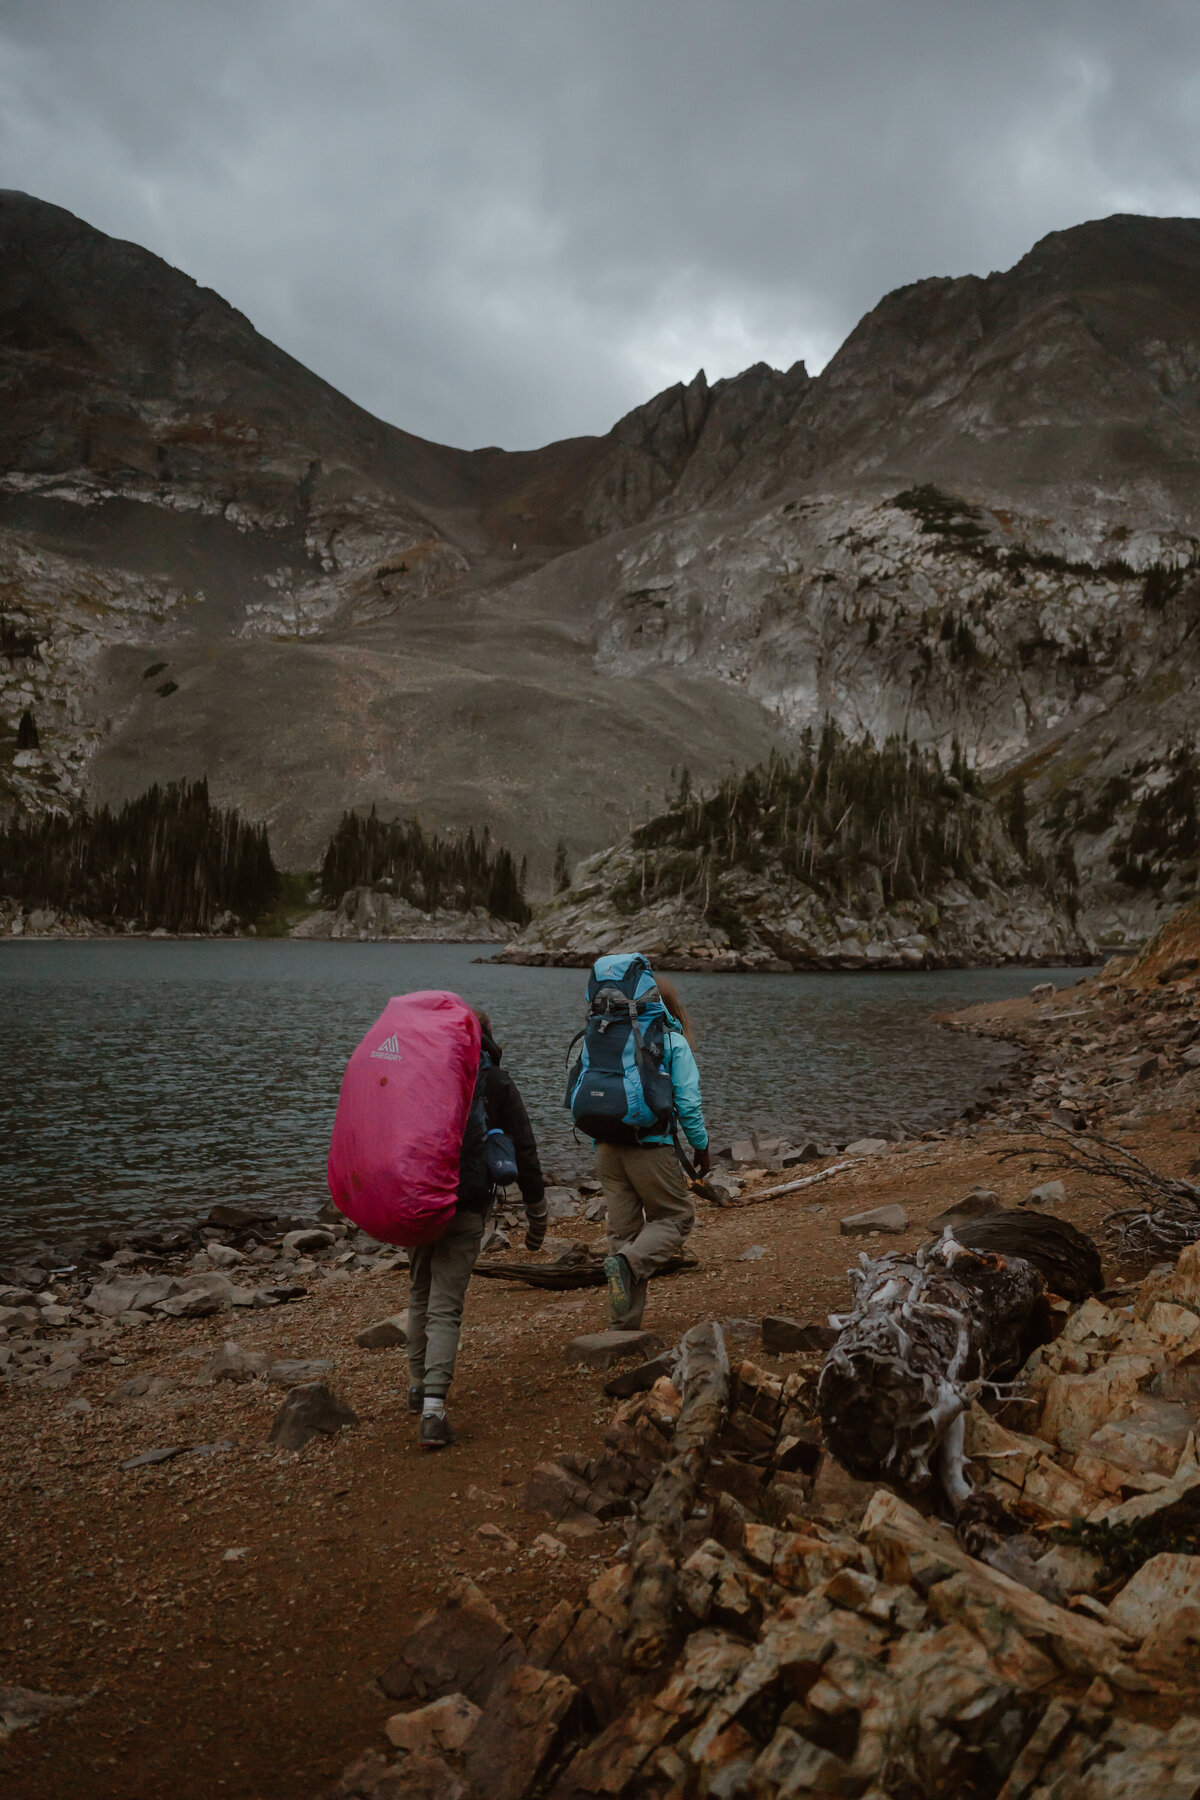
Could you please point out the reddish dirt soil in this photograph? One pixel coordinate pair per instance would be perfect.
(253, 1678)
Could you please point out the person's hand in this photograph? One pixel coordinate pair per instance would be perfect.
(535, 1230)
(703, 1162)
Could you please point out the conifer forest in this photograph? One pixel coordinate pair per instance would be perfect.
(837, 815)
(169, 859)
(400, 857)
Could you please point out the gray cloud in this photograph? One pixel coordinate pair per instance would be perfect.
(511, 220)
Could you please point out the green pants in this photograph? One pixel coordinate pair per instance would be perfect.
(438, 1277)
(649, 1210)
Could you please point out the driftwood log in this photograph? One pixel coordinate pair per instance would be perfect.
(703, 1379)
(926, 1333)
(1066, 1259)
(569, 1272)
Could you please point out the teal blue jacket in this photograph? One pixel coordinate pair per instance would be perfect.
(680, 1065)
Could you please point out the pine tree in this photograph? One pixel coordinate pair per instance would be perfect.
(562, 868)
(27, 732)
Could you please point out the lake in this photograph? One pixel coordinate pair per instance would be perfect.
(144, 1081)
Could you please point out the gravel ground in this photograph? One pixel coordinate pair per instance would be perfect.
(227, 1612)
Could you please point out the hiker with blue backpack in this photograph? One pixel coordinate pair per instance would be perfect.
(634, 1084)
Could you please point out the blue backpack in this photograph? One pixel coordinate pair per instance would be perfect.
(618, 1091)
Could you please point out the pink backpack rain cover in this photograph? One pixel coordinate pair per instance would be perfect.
(402, 1111)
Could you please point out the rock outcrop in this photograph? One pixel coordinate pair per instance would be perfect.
(980, 521)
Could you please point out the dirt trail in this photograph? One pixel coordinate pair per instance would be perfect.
(251, 1676)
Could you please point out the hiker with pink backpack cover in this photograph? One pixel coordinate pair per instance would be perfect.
(414, 1160)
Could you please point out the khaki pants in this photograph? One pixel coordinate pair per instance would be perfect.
(649, 1208)
(439, 1274)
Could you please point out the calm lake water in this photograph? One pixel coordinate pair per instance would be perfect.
(142, 1082)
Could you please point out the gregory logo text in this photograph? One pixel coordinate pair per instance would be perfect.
(389, 1050)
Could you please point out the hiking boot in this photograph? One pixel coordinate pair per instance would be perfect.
(416, 1399)
(437, 1433)
(619, 1277)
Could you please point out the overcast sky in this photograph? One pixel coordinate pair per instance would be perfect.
(506, 221)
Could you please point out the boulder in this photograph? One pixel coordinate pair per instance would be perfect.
(516, 1736)
(224, 1256)
(1159, 1588)
(464, 1647)
(555, 1490)
(783, 1337)
(388, 1334)
(880, 1218)
(868, 1146)
(604, 1349)
(442, 1726)
(307, 1411)
(130, 1293)
(19, 1318)
(232, 1363)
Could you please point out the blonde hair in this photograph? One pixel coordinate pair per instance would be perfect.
(674, 1005)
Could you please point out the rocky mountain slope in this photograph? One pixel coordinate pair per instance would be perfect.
(980, 521)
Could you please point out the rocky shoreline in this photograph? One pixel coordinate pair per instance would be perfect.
(784, 1548)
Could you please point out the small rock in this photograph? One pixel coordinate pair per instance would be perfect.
(869, 1146)
(148, 1457)
(721, 1191)
(1043, 990)
(388, 1334)
(299, 1243)
(980, 1203)
(604, 1349)
(296, 1371)
(783, 1337)
(224, 1256)
(443, 1725)
(742, 1152)
(232, 1363)
(56, 1315)
(641, 1379)
(880, 1218)
(494, 1534)
(15, 1296)
(1050, 1193)
(17, 1318)
(25, 1706)
(236, 1555)
(306, 1411)
(755, 1253)
(142, 1387)
(546, 1544)
(197, 1305)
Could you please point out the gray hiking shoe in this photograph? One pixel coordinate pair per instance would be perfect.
(619, 1277)
(416, 1399)
(437, 1433)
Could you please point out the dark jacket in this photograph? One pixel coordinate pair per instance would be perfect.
(505, 1112)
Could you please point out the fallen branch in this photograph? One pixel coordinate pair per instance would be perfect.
(791, 1187)
(564, 1277)
(1169, 1216)
(703, 1378)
